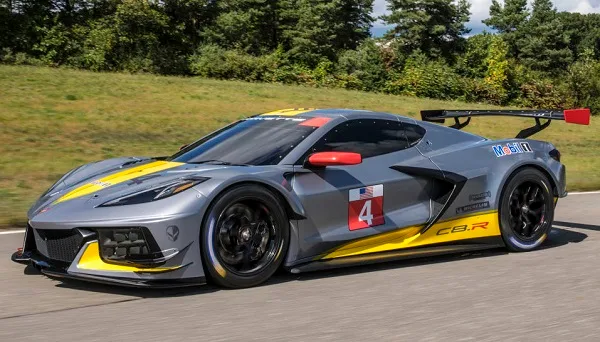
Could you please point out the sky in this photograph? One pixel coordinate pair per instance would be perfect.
(480, 10)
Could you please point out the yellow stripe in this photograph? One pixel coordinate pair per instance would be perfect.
(469, 227)
(90, 260)
(290, 111)
(117, 178)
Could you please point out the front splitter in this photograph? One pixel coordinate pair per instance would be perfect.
(54, 272)
(154, 284)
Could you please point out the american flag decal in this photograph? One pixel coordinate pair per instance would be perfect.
(366, 192)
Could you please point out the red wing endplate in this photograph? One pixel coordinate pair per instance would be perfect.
(578, 116)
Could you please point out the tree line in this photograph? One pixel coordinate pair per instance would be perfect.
(531, 57)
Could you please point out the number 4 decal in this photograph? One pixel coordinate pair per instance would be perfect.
(365, 207)
(365, 213)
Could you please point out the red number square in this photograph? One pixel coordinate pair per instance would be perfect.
(365, 213)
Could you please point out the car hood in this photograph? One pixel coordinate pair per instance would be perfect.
(111, 179)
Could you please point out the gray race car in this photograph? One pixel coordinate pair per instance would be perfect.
(303, 190)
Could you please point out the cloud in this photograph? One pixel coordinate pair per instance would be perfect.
(587, 6)
(379, 7)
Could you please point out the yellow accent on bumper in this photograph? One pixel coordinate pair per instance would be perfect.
(117, 178)
(90, 260)
(290, 111)
(441, 232)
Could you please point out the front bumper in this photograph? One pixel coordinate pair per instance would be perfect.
(56, 272)
(80, 258)
(48, 268)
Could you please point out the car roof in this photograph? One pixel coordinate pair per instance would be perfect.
(337, 113)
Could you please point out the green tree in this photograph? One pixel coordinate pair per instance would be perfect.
(424, 77)
(496, 77)
(25, 19)
(248, 25)
(583, 31)
(313, 30)
(366, 65)
(544, 44)
(8, 24)
(130, 39)
(354, 23)
(472, 63)
(508, 19)
(308, 29)
(189, 18)
(435, 27)
(312, 37)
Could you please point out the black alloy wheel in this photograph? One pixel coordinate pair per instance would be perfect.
(526, 210)
(245, 236)
(247, 239)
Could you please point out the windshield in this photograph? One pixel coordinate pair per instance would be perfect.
(254, 141)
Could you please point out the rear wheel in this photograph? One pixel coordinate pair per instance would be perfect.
(245, 237)
(526, 210)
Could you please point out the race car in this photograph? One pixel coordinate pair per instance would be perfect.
(303, 190)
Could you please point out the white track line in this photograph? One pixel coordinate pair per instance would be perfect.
(13, 232)
(585, 193)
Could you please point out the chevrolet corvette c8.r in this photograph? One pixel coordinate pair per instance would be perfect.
(303, 190)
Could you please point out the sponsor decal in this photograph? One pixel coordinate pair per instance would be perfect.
(473, 207)
(277, 118)
(101, 183)
(512, 148)
(365, 207)
(462, 228)
(480, 197)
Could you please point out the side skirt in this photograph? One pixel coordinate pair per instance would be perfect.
(401, 254)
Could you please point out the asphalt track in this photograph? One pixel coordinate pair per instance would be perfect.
(548, 295)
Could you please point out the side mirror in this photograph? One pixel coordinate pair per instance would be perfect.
(322, 159)
(182, 147)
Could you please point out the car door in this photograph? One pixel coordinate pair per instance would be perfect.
(344, 203)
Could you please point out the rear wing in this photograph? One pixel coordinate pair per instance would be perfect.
(574, 116)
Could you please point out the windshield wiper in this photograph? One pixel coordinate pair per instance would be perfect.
(217, 162)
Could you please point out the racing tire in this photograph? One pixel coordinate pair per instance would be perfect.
(245, 236)
(526, 210)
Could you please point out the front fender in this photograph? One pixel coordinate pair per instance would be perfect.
(277, 183)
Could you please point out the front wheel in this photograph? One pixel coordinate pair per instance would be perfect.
(245, 237)
(526, 210)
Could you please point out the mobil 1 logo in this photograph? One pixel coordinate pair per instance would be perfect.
(512, 148)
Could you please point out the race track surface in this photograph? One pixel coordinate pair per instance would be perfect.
(548, 295)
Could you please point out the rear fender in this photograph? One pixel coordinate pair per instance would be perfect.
(487, 172)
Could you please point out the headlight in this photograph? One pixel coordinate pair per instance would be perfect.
(158, 193)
